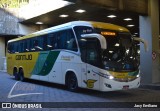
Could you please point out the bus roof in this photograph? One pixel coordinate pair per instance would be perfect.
(109, 26)
(94, 24)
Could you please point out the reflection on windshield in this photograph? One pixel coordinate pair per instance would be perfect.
(121, 53)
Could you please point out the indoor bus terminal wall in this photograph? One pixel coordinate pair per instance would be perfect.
(2, 53)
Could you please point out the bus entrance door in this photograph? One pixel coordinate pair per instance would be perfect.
(90, 56)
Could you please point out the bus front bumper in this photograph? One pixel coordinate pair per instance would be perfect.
(112, 85)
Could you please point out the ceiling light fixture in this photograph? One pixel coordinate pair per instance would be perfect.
(117, 45)
(111, 16)
(39, 23)
(80, 11)
(63, 15)
(110, 51)
(127, 19)
(130, 25)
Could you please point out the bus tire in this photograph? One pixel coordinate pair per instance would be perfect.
(21, 75)
(15, 73)
(72, 83)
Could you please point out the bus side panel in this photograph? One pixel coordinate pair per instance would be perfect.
(40, 63)
(10, 63)
(44, 65)
(55, 75)
(70, 62)
(26, 61)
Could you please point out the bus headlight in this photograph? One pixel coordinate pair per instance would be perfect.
(138, 75)
(111, 77)
(107, 76)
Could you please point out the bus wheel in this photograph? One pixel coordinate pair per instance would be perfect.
(21, 75)
(72, 83)
(15, 73)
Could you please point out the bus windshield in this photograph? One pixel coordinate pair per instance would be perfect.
(121, 53)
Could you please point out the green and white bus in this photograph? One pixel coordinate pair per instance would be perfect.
(93, 55)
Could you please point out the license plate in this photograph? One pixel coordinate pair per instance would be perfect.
(126, 87)
(120, 75)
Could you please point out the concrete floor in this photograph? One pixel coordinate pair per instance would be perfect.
(50, 95)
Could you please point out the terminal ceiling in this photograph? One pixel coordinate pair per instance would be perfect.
(94, 11)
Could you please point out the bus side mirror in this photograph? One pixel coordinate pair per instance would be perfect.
(143, 41)
(83, 43)
(101, 39)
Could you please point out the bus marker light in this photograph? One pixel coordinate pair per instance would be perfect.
(108, 33)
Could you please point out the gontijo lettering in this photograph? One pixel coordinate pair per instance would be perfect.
(24, 57)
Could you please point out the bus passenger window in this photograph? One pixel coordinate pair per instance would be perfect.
(44, 43)
(16, 48)
(10, 48)
(62, 39)
(26, 45)
(21, 48)
(90, 51)
(13, 48)
(71, 41)
(92, 56)
(71, 44)
(55, 45)
(50, 41)
(35, 42)
(32, 43)
(56, 41)
(39, 43)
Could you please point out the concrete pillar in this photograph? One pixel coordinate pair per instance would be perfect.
(149, 30)
(155, 39)
(145, 57)
(2, 52)
(27, 29)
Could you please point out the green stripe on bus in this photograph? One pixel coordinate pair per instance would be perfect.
(133, 73)
(48, 65)
(40, 62)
